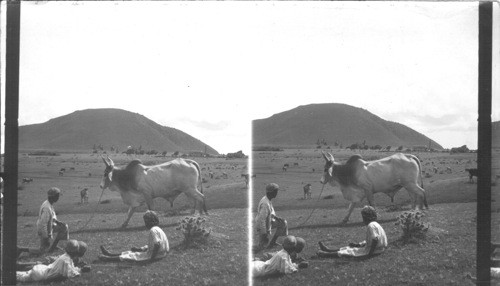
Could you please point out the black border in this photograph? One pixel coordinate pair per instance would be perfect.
(9, 215)
(483, 237)
(9, 219)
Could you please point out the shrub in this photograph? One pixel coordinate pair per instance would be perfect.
(410, 223)
(193, 229)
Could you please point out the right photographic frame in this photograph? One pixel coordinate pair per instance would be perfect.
(375, 145)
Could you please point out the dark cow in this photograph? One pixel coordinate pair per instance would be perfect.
(359, 179)
(247, 178)
(84, 196)
(307, 191)
(472, 174)
(27, 180)
(139, 184)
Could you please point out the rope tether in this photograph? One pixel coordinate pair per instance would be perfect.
(91, 217)
(313, 209)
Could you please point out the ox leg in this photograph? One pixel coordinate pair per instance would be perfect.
(369, 198)
(195, 207)
(418, 195)
(202, 208)
(351, 208)
(199, 199)
(131, 211)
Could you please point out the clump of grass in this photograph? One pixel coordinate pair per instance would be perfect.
(412, 226)
(193, 230)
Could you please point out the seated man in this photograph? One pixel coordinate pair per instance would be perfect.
(375, 243)
(62, 267)
(47, 224)
(281, 262)
(156, 248)
(266, 220)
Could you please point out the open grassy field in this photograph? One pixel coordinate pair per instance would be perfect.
(45, 173)
(222, 261)
(444, 258)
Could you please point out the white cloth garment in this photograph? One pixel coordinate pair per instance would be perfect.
(373, 230)
(279, 263)
(155, 236)
(62, 267)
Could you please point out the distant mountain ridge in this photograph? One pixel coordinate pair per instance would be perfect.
(334, 122)
(108, 127)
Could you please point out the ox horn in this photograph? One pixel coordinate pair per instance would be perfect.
(105, 162)
(324, 156)
(111, 163)
(331, 157)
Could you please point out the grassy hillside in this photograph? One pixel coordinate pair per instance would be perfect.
(82, 129)
(304, 125)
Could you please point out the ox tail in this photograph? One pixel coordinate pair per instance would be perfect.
(200, 181)
(421, 178)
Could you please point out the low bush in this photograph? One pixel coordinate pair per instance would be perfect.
(193, 230)
(412, 226)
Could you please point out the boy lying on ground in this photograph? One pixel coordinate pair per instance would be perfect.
(280, 262)
(62, 267)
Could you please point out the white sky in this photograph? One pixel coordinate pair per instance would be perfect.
(209, 68)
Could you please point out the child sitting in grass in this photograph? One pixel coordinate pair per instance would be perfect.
(280, 262)
(375, 243)
(62, 267)
(156, 248)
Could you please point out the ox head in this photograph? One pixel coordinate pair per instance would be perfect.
(108, 173)
(328, 170)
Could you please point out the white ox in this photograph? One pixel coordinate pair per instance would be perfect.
(359, 179)
(139, 184)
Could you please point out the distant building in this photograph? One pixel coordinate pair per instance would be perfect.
(197, 154)
(420, 149)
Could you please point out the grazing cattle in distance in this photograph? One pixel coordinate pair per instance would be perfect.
(72, 168)
(84, 196)
(61, 173)
(139, 184)
(307, 191)
(295, 164)
(27, 180)
(285, 166)
(359, 179)
(90, 174)
(63, 170)
(472, 173)
(247, 178)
